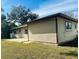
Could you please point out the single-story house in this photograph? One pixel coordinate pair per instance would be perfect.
(19, 32)
(57, 28)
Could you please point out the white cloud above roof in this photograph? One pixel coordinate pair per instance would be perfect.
(49, 8)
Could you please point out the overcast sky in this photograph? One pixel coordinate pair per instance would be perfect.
(42, 7)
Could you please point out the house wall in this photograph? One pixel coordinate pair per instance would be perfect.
(20, 33)
(44, 30)
(64, 35)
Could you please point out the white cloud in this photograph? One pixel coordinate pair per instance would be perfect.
(49, 8)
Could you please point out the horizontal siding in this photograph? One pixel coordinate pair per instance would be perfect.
(21, 34)
(64, 35)
(43, 31)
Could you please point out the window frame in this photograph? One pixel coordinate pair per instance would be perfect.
(68, 23)
(26, 31)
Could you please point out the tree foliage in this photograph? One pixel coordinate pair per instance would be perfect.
(71, 14)
(21, 14)
(5, 29)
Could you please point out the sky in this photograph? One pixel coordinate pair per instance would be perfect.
(42, 7)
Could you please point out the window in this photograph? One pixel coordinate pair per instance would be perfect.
(26, 31)
(68, 25)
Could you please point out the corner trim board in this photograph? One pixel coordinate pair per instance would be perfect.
(57, 30)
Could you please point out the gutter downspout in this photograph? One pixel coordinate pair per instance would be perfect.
(57, 30)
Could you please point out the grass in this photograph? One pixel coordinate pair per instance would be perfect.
(36, 50)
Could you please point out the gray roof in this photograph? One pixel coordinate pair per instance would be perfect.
(56, 15)
(19, 27)
(53, 15)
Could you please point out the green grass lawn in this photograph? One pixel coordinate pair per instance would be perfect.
(35, 50)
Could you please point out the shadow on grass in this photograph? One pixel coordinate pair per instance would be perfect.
(73, 43)
(70, 53)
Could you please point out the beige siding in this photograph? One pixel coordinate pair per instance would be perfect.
(64, 35)
(44, 30)
(20, 33)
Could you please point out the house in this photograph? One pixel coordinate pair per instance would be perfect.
(20, 32)
(57, 28)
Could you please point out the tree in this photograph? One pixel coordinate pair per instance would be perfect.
(2, 9)
(5, 29)
(21, 14)
(71, 14)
